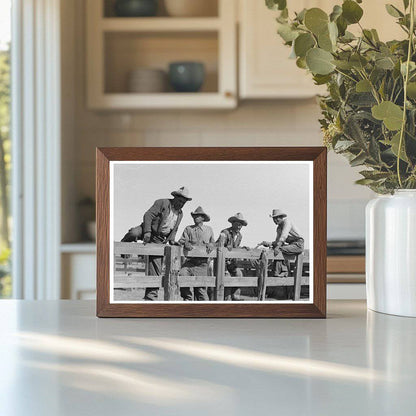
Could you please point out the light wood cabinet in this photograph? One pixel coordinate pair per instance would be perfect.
(265, 70)
(118, 45)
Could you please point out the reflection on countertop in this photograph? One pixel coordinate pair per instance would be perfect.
(63, 360)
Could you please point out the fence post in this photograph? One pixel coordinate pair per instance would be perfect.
(262, 275)
(298, 276)
(172, 267)
(219, 281)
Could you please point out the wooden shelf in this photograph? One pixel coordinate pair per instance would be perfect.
(116, 46)
(159, 24)
(163, 101)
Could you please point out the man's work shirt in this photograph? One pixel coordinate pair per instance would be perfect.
(197, 235)
(287, 232)
(170, 221)
(230, 238)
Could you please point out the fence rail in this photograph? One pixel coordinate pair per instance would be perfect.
(171, 282)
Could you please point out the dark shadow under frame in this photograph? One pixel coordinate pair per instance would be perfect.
(317, 309)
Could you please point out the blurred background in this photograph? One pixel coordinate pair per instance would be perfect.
(99, 73)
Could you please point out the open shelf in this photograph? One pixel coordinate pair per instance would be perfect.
(116, 46)
(127, 51)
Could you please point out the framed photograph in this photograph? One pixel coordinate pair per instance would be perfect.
(211, 232)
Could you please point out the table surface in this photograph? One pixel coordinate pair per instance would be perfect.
(57, 358)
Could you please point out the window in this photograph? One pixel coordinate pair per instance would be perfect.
(5, 145)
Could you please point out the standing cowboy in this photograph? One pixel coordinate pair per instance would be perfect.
(231, 238)
(288, 239)
(160, 225)
(194, 236)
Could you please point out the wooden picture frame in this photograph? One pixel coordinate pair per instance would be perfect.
(315, 308)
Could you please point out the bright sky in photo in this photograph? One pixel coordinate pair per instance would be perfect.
(222, 190)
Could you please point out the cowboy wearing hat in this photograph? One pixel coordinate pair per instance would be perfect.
(160, 225)
(231, 238)
(288, 239)
(196, 235)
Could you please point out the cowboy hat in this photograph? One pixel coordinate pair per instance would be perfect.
(278, 213)
(200, 211)
(237, 218)
(182, 192)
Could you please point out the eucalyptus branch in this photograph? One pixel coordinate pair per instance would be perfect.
(406, 79)
(345, 75)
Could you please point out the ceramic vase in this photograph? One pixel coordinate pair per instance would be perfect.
(391, 253)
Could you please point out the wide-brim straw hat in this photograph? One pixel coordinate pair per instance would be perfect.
(278, 213)
(183, 192)
(200, 211)
(237, 218)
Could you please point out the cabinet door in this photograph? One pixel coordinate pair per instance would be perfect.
(265, 68)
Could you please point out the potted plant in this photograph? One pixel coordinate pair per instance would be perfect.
(368, 116)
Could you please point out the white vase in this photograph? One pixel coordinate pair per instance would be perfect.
(391, 253)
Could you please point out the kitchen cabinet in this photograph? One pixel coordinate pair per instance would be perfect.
(118, 45)
(265, 70)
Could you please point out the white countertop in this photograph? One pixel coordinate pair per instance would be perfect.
(57, 358)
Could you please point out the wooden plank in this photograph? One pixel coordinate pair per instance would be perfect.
(199, 252)
(298, 276)
(262, 275)
(135, 282)
(172, 267)
(138, 249)
(254, 254)
(139, 281)
(197, 281)
(220, 267)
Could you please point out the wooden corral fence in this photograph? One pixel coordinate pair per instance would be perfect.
(126, 276)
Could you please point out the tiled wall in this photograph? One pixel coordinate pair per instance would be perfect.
(265, 123)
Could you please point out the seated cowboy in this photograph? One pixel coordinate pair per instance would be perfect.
(231, 238)
(288, 241)
(160, 225)
(196, 235)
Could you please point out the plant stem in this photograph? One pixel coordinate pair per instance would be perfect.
(345, 75)
(406, 79)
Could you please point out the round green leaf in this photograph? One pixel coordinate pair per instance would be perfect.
(286, 32)
(385, 63)
(351, 11)
(324, 42)
(319, 61)
(411, 90)
(391, 114)
(303, 43)
(363, 86)
(316, 20)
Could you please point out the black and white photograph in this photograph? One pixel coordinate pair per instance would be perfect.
(226, 231)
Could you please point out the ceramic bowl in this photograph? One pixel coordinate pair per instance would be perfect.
(135, 8)
(186, 76)
(147, 80)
